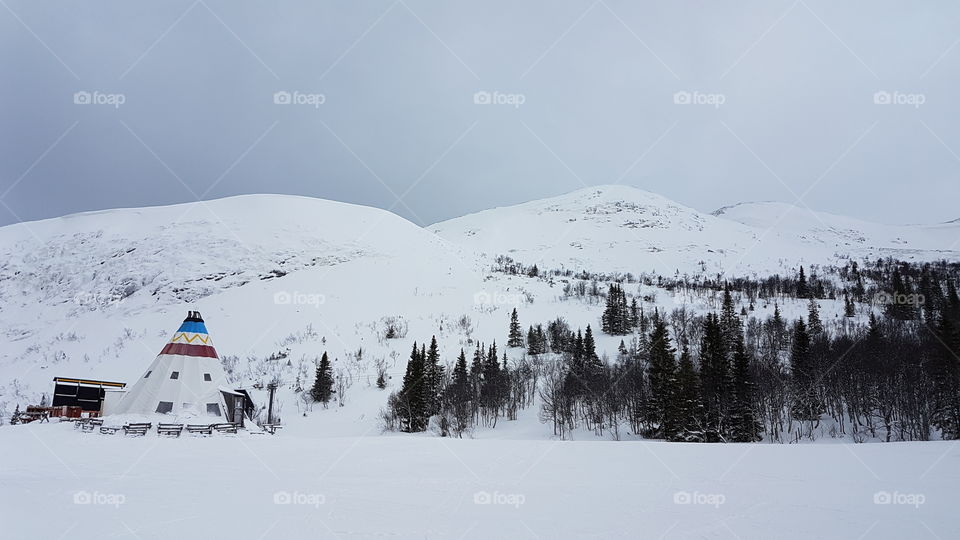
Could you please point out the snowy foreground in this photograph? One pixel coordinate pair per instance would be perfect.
(58, 483)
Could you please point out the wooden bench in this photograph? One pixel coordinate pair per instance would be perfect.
(137, 429)
(205, 429)
(169, 429)
(271, 428)
(90, 424)
(227, 427)
(108, 430)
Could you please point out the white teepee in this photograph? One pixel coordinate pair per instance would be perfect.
(185, 379)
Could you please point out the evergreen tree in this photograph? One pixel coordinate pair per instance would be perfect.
(898, 305)
(476, 370)
(575, 382)
(802, 289)
(589, 347)
(779, 328)
(433, 374)
(515, 337)
(412, 407)
(541, 340)
(814, 324)
(662, 376)
(689, 409)
(744, 424)
(616, 316)
(730, 324)
(460, 381)
(634, 314)
(490, 384)
(459, 394)
(805, 405)
(322, 389)
(593, 366)
(536, 340)
(714, 379)
(946, 367)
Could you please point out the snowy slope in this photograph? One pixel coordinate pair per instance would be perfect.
(181, 253)
(97, 294)
(608, 228)
(282, 279)
(848, 235)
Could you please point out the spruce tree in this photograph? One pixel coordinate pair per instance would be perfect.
(589, 347)
(616, 316)
(634, 314)
(413, 409)
(744, 424)
(575, 382)
(802, 289)
(459, 394)
(490, 384)
(714, 379)
(536, 340)
(689, 409)
(433, 374)
(515, 337)
(805, 405)
(662, 376)
(730, 323)
(322, 389)
(946, 367)
(814, 324)
(476, 370)
(592, 364)
(460, 380)
(898, 305)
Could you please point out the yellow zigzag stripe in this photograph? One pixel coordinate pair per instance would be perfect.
(203, 339)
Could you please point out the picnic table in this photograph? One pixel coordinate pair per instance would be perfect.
(203, 429)
(170, 429)
(137, 429)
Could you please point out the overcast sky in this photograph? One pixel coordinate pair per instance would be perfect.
(780, 103)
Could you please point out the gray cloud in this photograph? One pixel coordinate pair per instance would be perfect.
(399, 117)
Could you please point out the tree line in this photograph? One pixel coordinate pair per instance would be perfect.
(726, 375)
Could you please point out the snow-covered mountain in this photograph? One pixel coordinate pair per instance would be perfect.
(620, 228)
(97, 294)
(845, 235)
(139, 258)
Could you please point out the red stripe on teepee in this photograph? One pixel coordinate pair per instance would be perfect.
(187, 349)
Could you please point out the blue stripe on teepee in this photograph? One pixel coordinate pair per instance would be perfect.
(193, 327)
